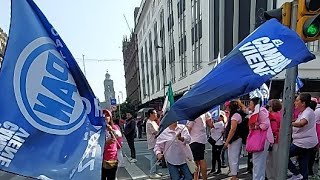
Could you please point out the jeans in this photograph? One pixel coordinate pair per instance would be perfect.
(216, 157)
(312, 160)
(130, 141)
(153, 161)
(175, 174)
(303, 159)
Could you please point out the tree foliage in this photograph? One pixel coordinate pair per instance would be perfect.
(125, 107)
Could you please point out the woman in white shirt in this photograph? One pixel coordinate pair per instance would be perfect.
(172, 144)
(216, 133)
(304, 136)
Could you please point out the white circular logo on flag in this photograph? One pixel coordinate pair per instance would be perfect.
(45, 90)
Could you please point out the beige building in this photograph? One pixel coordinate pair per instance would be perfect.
(3, 40)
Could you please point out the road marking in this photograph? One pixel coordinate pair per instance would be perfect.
(134, 171)
(148, 156)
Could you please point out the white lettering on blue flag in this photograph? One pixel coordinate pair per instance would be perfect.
(263, 56)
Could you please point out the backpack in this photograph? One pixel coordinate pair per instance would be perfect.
(243, 127)
(242, 130)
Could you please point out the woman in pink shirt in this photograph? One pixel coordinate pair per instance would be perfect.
(259, 159)
(112, 144)
(274, 106)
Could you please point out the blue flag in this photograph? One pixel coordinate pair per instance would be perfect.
(264, 53)
(50, 122)
(215, 112)
(299, 84)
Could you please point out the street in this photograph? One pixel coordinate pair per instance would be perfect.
(140, 169)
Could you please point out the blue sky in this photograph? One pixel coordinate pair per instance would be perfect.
(94, 28)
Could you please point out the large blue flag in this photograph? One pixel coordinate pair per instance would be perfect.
(264, 53)
(50, 122)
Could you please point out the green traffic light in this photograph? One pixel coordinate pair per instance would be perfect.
(313, 30)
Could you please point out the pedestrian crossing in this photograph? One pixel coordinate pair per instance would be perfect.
(140, 169)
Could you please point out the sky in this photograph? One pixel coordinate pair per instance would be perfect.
(93, 28)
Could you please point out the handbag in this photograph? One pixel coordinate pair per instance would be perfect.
(191, 165)
(189, 159)
(212, 141)
(256, 140)
(110, 164)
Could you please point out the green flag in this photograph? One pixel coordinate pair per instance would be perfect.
(168, 102)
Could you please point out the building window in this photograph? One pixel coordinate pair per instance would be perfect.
(147, 68)
(143, 73)
(261, 6)
(182, 37)
(216, 29)
(196, 34)
(228, 28)
(314, 46)
(155, 32)
(163, 53)
(171, 43)
(151, 63)
(170, 16)
(244, 19)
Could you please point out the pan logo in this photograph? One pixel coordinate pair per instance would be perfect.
(45, 90)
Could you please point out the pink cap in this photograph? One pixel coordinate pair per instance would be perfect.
(107, 113)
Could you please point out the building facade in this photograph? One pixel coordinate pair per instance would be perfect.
(3, 41)
(180, 40)
(131, 69)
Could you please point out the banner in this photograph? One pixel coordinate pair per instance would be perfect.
(299, 84)
(264, 53)
(51, 125)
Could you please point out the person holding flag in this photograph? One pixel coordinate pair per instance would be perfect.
(172, 144)
(113, 143)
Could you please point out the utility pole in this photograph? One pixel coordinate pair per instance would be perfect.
(119, 107)
(84, 66)
(288, 100)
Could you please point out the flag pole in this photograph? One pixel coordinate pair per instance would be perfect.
(288, 99)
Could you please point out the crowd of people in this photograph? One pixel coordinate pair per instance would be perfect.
(254, 128)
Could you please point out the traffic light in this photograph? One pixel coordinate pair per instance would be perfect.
(308, 25)
(282, 14)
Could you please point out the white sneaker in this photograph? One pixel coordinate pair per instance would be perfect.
(133, 160)
(296, 177)
(155, 176)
